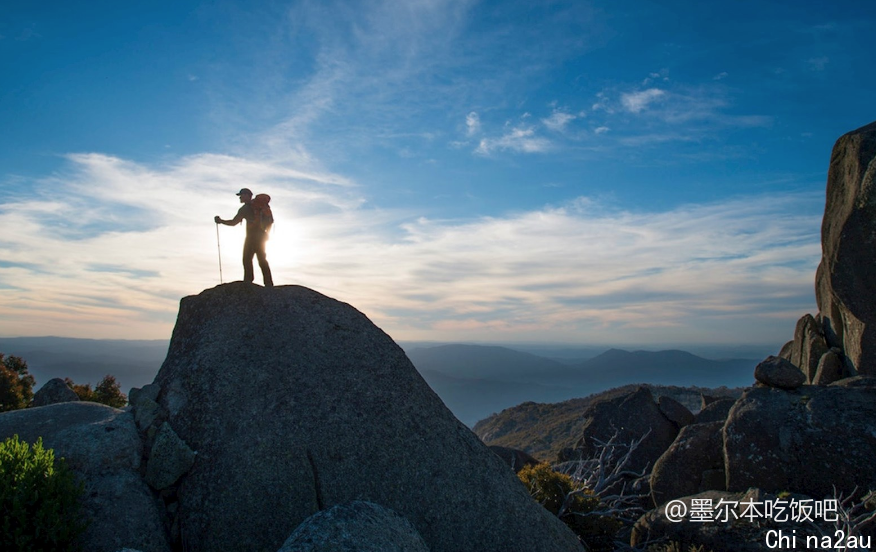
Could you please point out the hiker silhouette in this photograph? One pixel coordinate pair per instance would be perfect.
(258, 219)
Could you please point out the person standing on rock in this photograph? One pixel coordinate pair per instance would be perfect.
(256, 237)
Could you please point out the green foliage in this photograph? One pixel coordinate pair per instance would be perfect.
(554, 490)
(107, 392)
(16, 384)
(550, 488)
(39, 500)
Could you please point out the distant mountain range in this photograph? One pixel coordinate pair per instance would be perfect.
(134, 363)
(473, 380)
(476, 381)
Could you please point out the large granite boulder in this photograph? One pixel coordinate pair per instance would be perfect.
(674, 411)
(845, 280)
(631, 416)
(54, 391)
(692, 464)
(807, 440)
(295, 402)
(778, 372)
(714, 411)
(355, 527)
(100, 445)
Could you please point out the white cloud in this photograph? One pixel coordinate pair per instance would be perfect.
(721, 76)
(601, 130)
(636, 102)
(472, 124)
(662, 75)
(518, 139)
(110, 246)
(132, 239)
(558, 120)
(682, 113)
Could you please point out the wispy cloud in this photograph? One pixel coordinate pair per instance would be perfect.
(472, 124)
(636, 102)
(137, 237)
(519, 139)
(558, 120)
(673, 113)
(552, 273)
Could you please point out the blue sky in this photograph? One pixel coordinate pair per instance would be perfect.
(569, 172)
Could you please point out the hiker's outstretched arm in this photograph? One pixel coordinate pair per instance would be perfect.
(233, 222)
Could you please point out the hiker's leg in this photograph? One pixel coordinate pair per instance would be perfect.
(263, 263)
(248, 252)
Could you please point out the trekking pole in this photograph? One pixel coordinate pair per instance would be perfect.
(219, 249)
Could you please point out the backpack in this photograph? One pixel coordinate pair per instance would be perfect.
(263, 215)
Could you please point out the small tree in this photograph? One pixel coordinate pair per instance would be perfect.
(40, 506)
(16, 384)
(83, 391)
(107, 392)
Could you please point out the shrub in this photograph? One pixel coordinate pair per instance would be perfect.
(576, 507)
(16, 384)
(39, 500)
(107, 392)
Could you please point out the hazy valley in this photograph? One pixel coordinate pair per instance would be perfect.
(474, 381)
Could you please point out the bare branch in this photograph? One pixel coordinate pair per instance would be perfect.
(601, 474)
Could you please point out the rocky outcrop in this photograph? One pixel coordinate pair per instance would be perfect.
(54, 391)
(693, 463)
(811, 440)
(101, 445)
(807, 347)
(631, 416)
(295, 403)
(356, 527)
(844, 282)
